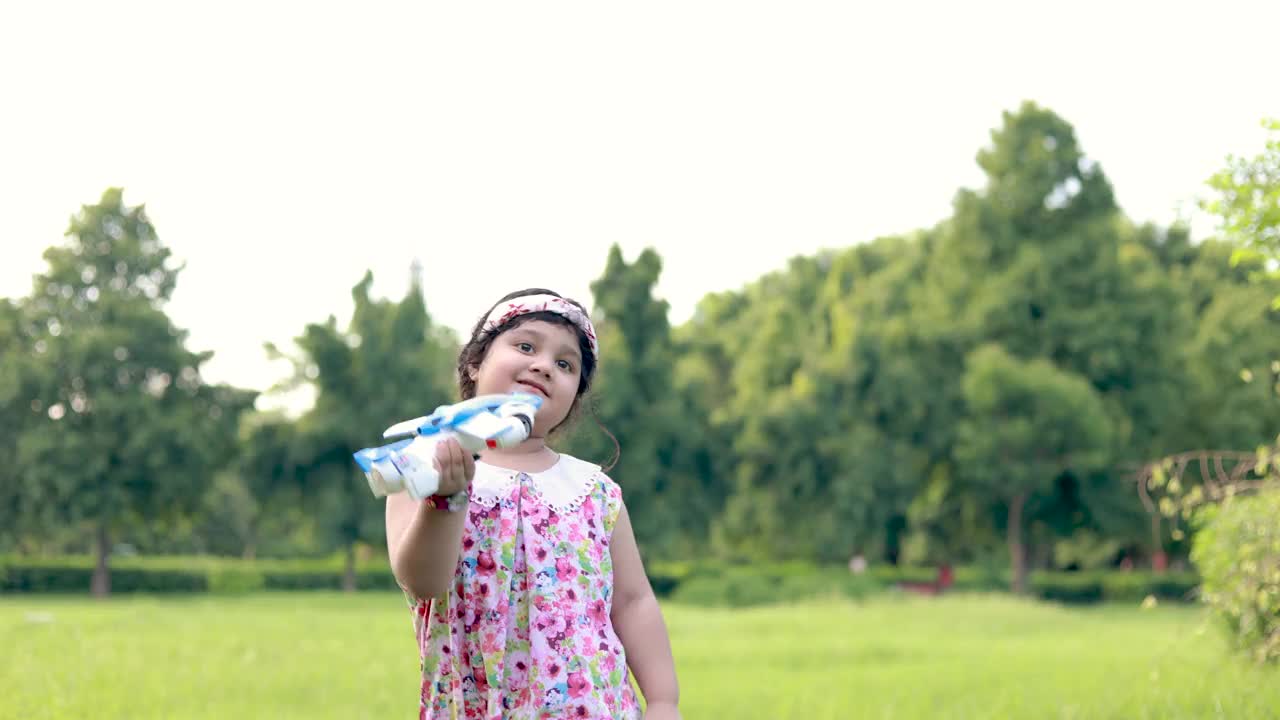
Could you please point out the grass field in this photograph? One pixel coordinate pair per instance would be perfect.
(307, 655)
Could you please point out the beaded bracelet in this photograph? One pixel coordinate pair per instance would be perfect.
(449, 503)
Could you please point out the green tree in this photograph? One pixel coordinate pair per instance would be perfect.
(634, 400)
(1041, 262)
(390, 364)
(258, 492)
(127, 432)
(1246, 201)
(1029, 423)
(19, 515)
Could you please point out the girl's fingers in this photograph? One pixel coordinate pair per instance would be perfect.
(455, 466)
(468, 467)
(444, 466)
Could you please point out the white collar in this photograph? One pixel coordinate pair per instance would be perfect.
(562, 487)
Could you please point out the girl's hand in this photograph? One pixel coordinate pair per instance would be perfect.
(456, 466)
(661, 711)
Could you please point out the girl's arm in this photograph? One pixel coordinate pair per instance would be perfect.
(638, 621)
(423, 543)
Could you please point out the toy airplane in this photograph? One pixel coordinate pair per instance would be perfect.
(487, 421)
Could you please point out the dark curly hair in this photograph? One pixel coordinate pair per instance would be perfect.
(477, 346)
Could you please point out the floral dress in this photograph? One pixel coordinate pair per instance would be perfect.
(525, 631)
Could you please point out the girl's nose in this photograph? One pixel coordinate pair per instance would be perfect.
(540, 365)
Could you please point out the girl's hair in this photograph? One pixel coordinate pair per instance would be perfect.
(475, 349)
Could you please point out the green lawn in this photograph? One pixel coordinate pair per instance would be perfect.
(309, 655)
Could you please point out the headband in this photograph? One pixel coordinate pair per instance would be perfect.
(506, 311)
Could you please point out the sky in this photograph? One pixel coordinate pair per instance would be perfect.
(282, 149)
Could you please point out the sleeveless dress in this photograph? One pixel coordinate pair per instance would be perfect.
(525, 630)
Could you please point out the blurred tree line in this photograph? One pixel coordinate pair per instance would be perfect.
(980, 391)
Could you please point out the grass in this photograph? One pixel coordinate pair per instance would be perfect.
(319, 655)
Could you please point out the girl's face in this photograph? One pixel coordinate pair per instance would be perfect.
(535, 357)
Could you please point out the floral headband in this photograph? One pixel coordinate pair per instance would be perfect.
(514, 307)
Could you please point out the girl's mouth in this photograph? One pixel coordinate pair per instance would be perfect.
(535, 386)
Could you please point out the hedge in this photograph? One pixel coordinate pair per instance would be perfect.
(184, 575)
(702, 583)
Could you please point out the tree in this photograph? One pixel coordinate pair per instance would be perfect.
(389, 364)
(634, 399)
(1041, 262)
(1235, 338)
(1029, 423)
(1246, 201)
(18, 377)
(125, 429)
(259, 489)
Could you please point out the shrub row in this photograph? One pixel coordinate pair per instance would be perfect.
(711, 584)
(184, 575)
(703, 583)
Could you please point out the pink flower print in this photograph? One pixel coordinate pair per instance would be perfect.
(484, 563)
(540, 553)
(552, 670)
(491, 644)
(565, 569)
(579, 711)
(578, 685)
(610, 663)
(598, 613)
(558, 625)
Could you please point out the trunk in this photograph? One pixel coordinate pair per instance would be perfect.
(1017, 551)
(100, 585)
(349, 575)
(1159, 561)
(249, 537)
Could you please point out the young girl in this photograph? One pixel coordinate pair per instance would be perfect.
(529, 596)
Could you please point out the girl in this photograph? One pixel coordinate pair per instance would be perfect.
(529, 596)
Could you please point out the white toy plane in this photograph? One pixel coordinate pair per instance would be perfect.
(487, 421)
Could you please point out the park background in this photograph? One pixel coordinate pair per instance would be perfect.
(940, 343)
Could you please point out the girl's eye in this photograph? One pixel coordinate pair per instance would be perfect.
(525, 347)
(566, 365)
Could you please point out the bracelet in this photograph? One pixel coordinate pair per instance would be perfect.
(449, 503)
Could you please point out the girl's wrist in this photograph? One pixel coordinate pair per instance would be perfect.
(449, 503)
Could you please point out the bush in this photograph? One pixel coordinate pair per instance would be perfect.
(1075, 587)
(1113, 586)
(184, 575)
(1238, 553)
(1137, 586)
(751, 585)
(229, 580)
(695, 582)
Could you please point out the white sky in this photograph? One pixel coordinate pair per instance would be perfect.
(283, 148)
